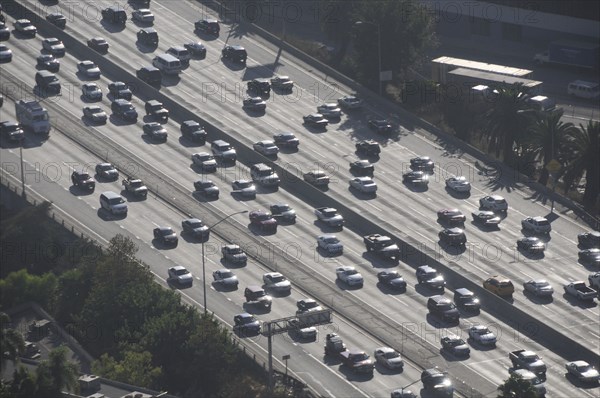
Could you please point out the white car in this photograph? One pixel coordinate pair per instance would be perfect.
(143, 15)
(494, 203)
(364, 184)
(266, 147)
(330, 243)
(389, 358)
(349, 275)
(350, 102)
(180, 275)
(482, 335)
(538, 225)
(276, 282)
(331, 111)
(225, 278)
(54, 46)
(458, 184)
(89, 69)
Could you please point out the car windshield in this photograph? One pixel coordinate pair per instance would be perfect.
(196, 224)
(310, 304)
(541, 283)
(244, 184)
(446, 306)
(331, 239)
(456, 342)
(505, 284)
(116, 201)
(135, 184)
(52, 42)
(227, 274)
(279, 278)
(584, 368)
(391, 355)
(360, 357)
(329, 213)
(248, 319)
(287, 137)
(263, 217)
(166, 231)
(205, 157)
(84, 176)
(235, 250)
(283, 208)
(88, 65)
(181, 271)
(94, 109)
(351, 272)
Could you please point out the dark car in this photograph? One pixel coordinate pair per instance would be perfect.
(155, 131)
(430, 277)
(150, 75)
(380, 126)
(254, 104)
(415, 177)
(590, 256)
(235, 53)
(422, 163)
(264, 220)
(48, 62)
(25, 27)
(286, 140)
(283, 212)
(148, 36)
(259, 86)
(83, 181)
(95, 114)
(91, 92)
(454, 216)
(98, 44)
(392, 279)
(4, 32)
(107, 171)
(206, 188)
(57, 19)
(11, 131)
(54, 46)
(455, 345)
(119, 90)
(195, 48)
(246, 324)
(315, 120)
(156, 109)
(124, 110)
(114, 15)
(195, 228)
(443, 308)
(368, 147)
(453, 237)
(257, 295)
(486, 218)
(283, 83)
(193, 131)
(210, 26)
(362, 168)
(466, 299)
(589, 239)
(166, 236)
(531, 244)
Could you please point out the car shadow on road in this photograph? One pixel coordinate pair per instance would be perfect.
(388, 290)
(80, 192)
(230, 264)
(326, 228)
(575, 302)
(255, 309)
(451, 357)
(345, 286)
(426, 291)
(219, 287)
(458, 195)
(387, 371)
(541, 300)
(105, 215)
(355, 377)
(379, 262)
(203, 198)
(161, 246)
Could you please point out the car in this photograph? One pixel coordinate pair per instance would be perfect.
(423, 163)
(430, 277)
(54, 46)
(98, 44)
(89, 69)
(283, 212)
(135, 187)
(148, 37)
(259, 86)
(330, 243)
(589, 239)
(156, 109)
(453, 237)
(254, 104)
(207, 188)
(119, 90)
(482, 335)
(380, 126)
(181, 275)
(286, 140)
(263, 219)
(95, 114)
(11, 131)
(210, 26)
(225, 278)
(246, 324)
(493, 203)
(181, 53)
(166, 236)
(266, 147)
(83, 180)
(330, 111)
(234, 254)
(156, 131)
(245, 188)
(403, 393)
(416, 177)
(5, 53)
(223, 151)
(451, 216)
(283, 83)
(4, 32)
(330, 217)
(25, 27)
(317, 178)
(389, 358)
(368, 147)
(466, 299)
(48, 62)
(193, 131)
(455, 345)
(264, 175)
(235, 53)
(486, 218)
(538, 225)
(350, 102)
(196, 228)
(315, 120)
(57, 19)
(91, 92)
(257, 295)
(307, 305)
(107, 171)
(392, 279)
(499, 285)
(530, 378)
(349, 275)
(114, 15)
(458, 184)
(362, 168)
(275, 282)
(531, 244)
(590, 256)
(538, 287)
(364, 184)
(443, 308)
(583, 371)
(205, 161)
(196, 48)
(124, 110)
(142, 15)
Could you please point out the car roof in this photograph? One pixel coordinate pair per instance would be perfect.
(426, 268)
(273, 274)
(245, 315)
(255, 288)
(463, 291)
(178, 267)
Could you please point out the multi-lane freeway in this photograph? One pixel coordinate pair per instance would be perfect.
(214, 91)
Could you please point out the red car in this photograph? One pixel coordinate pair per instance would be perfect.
(264, 220)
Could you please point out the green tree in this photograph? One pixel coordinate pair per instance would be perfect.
(21, 286)
(516, 387)
(581, 148)
(56, 374)
(336, 18)
(11, 341)
(23, 384)
(136, 368)
(546, 135)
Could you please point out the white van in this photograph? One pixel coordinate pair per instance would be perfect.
(542, 103)
(113, 202)
(583, 89)
(167, 63)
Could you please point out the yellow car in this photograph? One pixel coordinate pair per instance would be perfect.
(499, 285)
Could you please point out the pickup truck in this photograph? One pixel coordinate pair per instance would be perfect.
(329, 216)
(524, 359)
(383, 246)
(358, 361)
(135, 187)
(580, 290)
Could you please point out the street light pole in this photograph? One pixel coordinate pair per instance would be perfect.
(204, 258)
(358, 23)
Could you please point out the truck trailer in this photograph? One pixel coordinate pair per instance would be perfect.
(571, 53)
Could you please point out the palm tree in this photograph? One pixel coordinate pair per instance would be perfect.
(505, 123)
(516, 387)
(11, 341)
(581, 148)
(56, 374)
(546, 135)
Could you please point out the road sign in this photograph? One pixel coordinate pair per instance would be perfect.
(553, 166)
